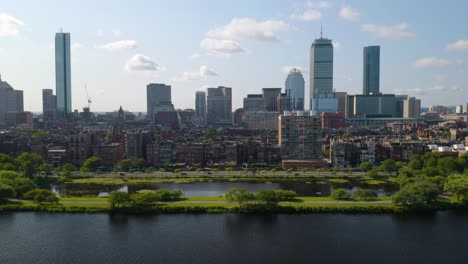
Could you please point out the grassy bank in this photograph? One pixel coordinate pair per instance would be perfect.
(216, 205)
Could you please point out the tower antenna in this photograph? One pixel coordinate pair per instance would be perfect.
(321, 35)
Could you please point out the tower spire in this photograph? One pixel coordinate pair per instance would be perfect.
(321, 35)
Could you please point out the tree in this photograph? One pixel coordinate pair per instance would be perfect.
(167, 196)
(346, 135)
(6, 192)
(19, 184)
(144, 198)
(118, 199)
(41, 196)
(29, 163)
(229, 170)
(305, 170)
(7, 163)
(69, 167)
(240, 196)
(364, 195)
(458, 185)
(340, 194)
(92, 163)
(125, 165)
(365, 167)
(416, 194)
(389, 166)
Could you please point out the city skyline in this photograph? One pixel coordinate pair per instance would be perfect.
(243, 49)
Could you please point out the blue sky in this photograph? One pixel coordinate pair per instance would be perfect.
(120, 46)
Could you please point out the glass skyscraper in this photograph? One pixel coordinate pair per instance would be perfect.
(200, 104)
(321, 71)
(63, 74)
(371, 72)
(295, 89)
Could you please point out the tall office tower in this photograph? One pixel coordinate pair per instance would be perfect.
(371, 70)
(11, 103)
(49, 104)
(158, 95)
(63, 74)
(200, 104)
(411, 108)
(219, 106)
(200, 108)
(295, 89)
(300, 136)
(321, 72)
(269, 96)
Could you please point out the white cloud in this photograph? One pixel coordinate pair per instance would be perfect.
(250, 29)
(223, 47)
(287, 69)
(336, 44)
(202, 73)
(140, 62)
(319, 4)
(120, 45)
(459, 45)
(431, 62)
(308, 15)
(117, 32)
(350, 14)
(77, 45)
(205, 71)
(195, 56)
(383, 31)
(9, 25)
(99, 33)
(410, 91)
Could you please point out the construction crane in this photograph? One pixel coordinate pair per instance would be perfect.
(87, 96)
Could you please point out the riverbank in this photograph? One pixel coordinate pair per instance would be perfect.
(219, 205)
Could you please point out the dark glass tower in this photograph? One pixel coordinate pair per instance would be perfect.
(371, 78)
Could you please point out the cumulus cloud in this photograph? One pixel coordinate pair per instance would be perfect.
(249, 29)
(195, 56)
(308, 15)
(410, 91)
(9, 25)
(384, 31)
(77, 45)
(459, 45)
(429, 62)
(202, 73)
(287, 69)
(99, 33)
(223, 46)
(319, 4)
(120, 45)
(140, 62)
(116, 32)
(350, 14)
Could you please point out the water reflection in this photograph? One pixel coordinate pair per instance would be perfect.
(213, 189)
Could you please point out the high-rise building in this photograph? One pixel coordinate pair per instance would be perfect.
(321, 71)
(295, 89)
(300, 136)
(200, 104)
(49, 104)
(200, 108)
(11, 103)
(411, 108)
(371, 70)
(219, 106)
(269, 96)
(373, 106)
(63, 74)
(158, 95)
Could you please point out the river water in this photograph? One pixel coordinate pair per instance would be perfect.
(228, 238)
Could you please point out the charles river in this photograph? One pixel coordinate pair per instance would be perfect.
(229, 238)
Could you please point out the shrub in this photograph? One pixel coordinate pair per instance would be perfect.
(340, 194)
(364, 195)
(6, 192)
(40, 196)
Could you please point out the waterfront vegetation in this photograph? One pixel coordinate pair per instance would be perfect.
(429, 182)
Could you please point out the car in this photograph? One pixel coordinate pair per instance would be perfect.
(183, 174)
